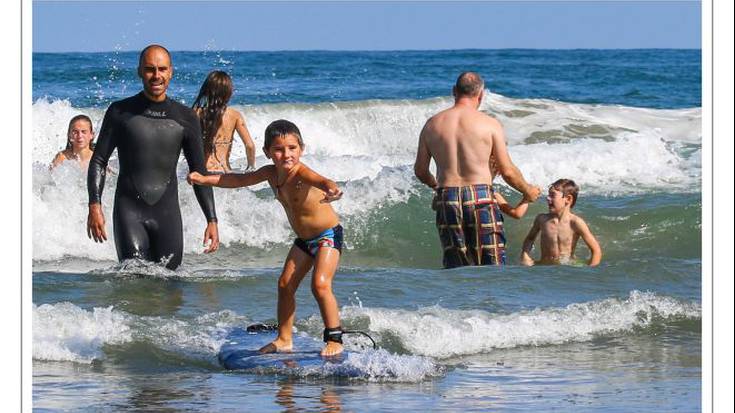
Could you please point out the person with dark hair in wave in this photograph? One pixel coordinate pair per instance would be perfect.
(220, 122)
(79, 142)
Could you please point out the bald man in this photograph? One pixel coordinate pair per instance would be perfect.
(462, 141)
(149, 131)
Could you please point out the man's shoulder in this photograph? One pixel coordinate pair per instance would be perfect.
(127, 102)
(485, 118)
(178, 109)
(175, 104)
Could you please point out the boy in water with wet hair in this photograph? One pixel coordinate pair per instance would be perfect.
(560, 229)
(305, 196)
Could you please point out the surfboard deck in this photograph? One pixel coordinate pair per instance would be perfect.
(240, 352)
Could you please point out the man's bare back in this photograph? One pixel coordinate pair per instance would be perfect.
(461, 141)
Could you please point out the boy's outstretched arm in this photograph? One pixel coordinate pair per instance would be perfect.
(230, 180)
(528, 243)
(514, 212)
(330, 188)
(580, 227)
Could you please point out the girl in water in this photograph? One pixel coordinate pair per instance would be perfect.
(79, 145)
(220, 122)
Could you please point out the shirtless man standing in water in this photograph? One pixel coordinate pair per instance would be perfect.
(462, 140)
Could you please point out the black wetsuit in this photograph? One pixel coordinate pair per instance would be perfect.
(149, 137)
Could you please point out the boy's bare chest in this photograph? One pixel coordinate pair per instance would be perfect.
(557, 233)
(294, 194)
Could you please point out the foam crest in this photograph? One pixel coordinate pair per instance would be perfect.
(649, 164)
(370, 128)
(59, 200)
(50, 123)
(378, 366)
(369, 148)
(443, 333)
(65, 332)
(198, 339)
(543, 120)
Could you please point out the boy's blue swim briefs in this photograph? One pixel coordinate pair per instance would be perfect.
(331, 237)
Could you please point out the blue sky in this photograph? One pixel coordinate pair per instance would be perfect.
(60, 26)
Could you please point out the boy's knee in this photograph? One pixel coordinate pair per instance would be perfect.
(321, 288)
(285, 287)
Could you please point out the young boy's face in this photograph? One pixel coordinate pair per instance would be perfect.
(557, 201)
(285, 151)
(80, 134)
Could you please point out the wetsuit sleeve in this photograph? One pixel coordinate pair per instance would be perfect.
(106, 143)
(194, 153)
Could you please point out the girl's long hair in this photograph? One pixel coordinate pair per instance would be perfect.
(71, 123)
(211, 103)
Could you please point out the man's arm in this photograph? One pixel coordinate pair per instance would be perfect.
(423, 159)
(580, 227)
(194, 153)
(96, 174)
(511, 174)
(529, 241)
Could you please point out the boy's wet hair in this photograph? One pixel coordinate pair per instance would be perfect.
(278, 128)
(71, 123)
(469, 84)
(567, 187)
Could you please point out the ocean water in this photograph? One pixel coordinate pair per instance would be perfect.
(625, 336)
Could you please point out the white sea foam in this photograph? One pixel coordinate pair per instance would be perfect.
(443, 333)
(379, 366)
(65, 332)
(369, 147)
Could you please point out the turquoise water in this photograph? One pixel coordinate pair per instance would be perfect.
(625, 336)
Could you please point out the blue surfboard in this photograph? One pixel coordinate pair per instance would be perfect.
(240, 352)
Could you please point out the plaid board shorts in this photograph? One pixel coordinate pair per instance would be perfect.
(470, 226)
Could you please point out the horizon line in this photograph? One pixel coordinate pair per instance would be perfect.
(376, 50)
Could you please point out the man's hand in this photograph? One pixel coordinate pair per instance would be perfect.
(533, 193)
(211, 234)
(96, 223)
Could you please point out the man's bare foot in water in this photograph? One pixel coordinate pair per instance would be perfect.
(277, 346)
(332, 349)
